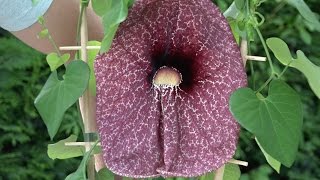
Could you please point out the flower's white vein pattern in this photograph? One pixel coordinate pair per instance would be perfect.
(148, 130)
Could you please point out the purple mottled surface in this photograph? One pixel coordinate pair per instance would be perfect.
(149, 131)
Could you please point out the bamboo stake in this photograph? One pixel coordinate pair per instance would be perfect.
(73, 48)
(256, 58)
(80, 143)
(219, 173)
(238, 162)
(244, 50)
(86, 102)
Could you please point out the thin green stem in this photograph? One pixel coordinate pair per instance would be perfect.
(77, 55)
(285, 69)
(248, 8)
(79, 24)
(52, 42)
(54, 45)
(265, 49)
(265, 83)
(249, 50)
(252, 68)
(84, 4)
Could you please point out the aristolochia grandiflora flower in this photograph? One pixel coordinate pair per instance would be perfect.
(163, 90)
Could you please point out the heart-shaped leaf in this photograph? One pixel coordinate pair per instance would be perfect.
(276, 120)
(55, 61)
(60, 151)
(58, 95)
(302, 63)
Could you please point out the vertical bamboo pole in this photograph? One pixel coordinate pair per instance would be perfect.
(219, 173)
(244, 51)
(87, 102)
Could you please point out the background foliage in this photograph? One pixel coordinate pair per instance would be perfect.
(23, 135)
(24, 138)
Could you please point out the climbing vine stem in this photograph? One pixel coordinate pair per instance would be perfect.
(41, 21)
(265, 83)
(285, 69)
(83, 5)
(265, 49)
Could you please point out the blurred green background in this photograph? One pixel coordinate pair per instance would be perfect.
(24, 138)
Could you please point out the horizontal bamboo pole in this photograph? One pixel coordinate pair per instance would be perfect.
(256, 58)
(238, 162)
(79, 143)
(73, 48)
(232, 161)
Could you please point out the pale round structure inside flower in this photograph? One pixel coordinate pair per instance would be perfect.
(167, 77)
(184, 131)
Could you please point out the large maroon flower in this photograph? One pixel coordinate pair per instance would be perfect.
(149, 129)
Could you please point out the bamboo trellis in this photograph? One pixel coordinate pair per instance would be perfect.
(88, 104)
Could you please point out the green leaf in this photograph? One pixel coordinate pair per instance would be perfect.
(41, 20)
(91, 57)
(35, 2)
(43, 34)
(305, 35)
(60, 151)
(116, 14)
(305, 12)
(108, 38)
(232, 12)
(130, 3)
(302, 63)
(207, 176)
(280, 50)
(234, 29)
(100, 7)
(276, 120)
(55, 61)
(240, 4)
(105, 174)
(58, 95)
(80, 173)
(272, 162)
(231, 172)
